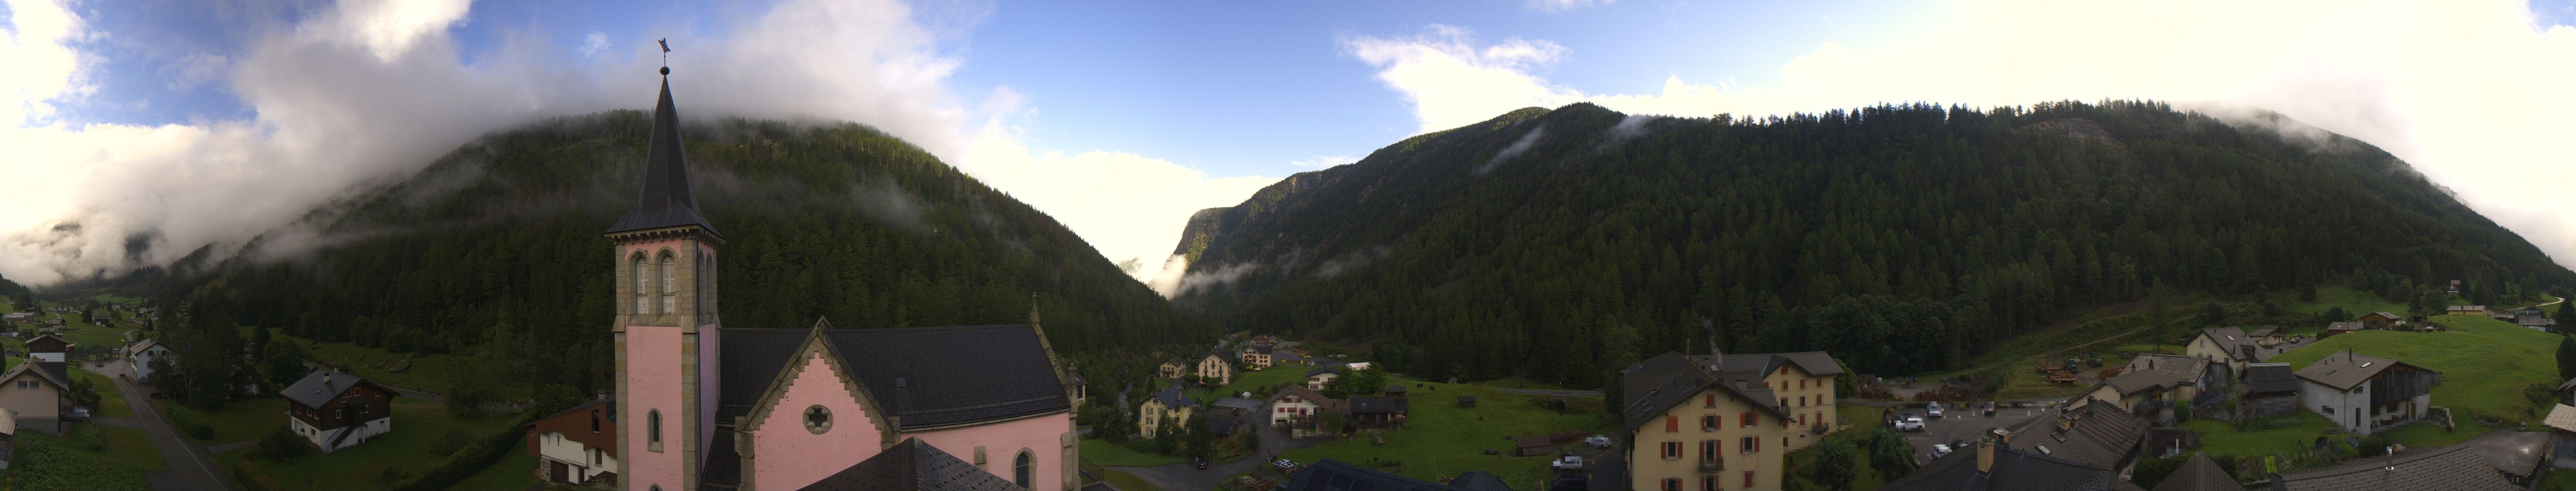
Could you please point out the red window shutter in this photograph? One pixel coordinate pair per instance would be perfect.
(1709, 400)
(1748, 479)
(1802, 400)
(1672, 424)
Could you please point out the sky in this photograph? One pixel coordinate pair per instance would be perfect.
(150, 128)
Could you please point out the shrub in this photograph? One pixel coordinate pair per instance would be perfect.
(448, 444)
(200, 430)
(284, 446)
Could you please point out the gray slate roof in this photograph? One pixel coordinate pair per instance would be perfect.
(914, 466)
(1379, 404)
(951, 375)
(667, 199)
(2452, 468)
(2343, 370)
(319, 387)
(2014, 470)
(1238, 403)
(1171, 397)
(2233, 339)
(1335, 475)
(2343, 326)
(2199, 474)
(2270, 378)
(2101, 434)
(1657, 384)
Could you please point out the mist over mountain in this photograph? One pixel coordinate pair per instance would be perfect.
(1561, 243)
(496, 249)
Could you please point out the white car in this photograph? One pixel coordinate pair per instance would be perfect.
(1909, 423)
(1940, 449)
(1933, 409)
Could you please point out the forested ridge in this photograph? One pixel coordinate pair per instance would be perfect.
(1560, 244)
(496, 250)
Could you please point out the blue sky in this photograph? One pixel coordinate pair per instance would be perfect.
(1119, 118)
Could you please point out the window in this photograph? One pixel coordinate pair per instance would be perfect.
(1672, 484)
(1708, 422)
(1672, 424)
(1745, 420)
(1802, 400)
(818, 419)
(1708, 450)
(1751, 445)
(1024, 469)
(642, 284)
(1707, 483)
(653, 426)
(670, 294)
(1672, 450)
(594, 421)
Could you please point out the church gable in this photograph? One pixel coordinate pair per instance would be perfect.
(815, 419)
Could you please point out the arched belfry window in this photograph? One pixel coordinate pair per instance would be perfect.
(706, 283)
(653, 426)
(1024, 469)
(670, 292)
(642, 302)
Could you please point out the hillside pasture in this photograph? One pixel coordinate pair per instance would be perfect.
(2485, 363)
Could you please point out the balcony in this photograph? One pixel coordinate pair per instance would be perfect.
(1712, 465)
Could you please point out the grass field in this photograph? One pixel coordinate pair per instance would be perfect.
(240, 421)
(110, 404)
(515, 471)
(427, 373)
(1863, 421)
(417, 423)
(128, 445)
(2279, 435)
(1110, 454)
(1442, 440)
(1255, 381)
(2355, 302)
(2485, 363)
(1127, 482)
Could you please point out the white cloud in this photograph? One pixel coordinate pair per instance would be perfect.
(593, 44)
(366, 90)
(2473, 93)
(1564, 5)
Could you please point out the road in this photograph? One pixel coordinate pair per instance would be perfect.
(192, 468)
(1184, 477)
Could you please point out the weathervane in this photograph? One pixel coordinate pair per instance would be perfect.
(666, 55)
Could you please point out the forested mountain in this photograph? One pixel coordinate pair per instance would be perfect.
(496, 249)
(1561, 243)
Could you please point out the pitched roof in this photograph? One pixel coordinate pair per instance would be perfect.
(2514, 452)
(1379, 404)
(2232, 340)
(2386, 315)
(2452, 468)
(2164, 371)
(1238, 403)
(1336, 475)
(608, 406)
(2265, 331)
(2100, 434)
(31, 342)
(912, 466)
(2270, 378)
(2343, 326)
(2013, 470)
(317, 388)
(2562, 417)
(1171, 398)
(2343, 370)
(668, 198)
(1328, 403)
(928, 376)
(2198, 473)
(1323, 370)
(1659, 383)
(141, 346)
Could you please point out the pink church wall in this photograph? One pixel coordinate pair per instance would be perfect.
(786, 456)
(1042, 436)
(652, 383)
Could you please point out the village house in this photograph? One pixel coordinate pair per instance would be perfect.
(140, 355)
(1081, 389)
(1687, 415)
(2532, 318)
(2466, 310)
(2228, 345)
(2520, 456)
(2367, 394)
(37, 393)
(2152, 384)
(49, 348)
(2268, 389)
(2266, 336)
(2562, 429)
(2334, 328)
(1168, 407)
(576, 445)
(1215, 368)
(338, 410)
(1173, 369)
(2097, 434)
(1229, 415)
(1300, 410)
(1322, 378)
(1379, 412)
(1994, 463)
(2381, 320)
(2452, 468)
(706, 407)
(1256, 356)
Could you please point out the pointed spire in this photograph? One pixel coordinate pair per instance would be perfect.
(668, 199)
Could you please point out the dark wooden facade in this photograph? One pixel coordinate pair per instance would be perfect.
(358, 404)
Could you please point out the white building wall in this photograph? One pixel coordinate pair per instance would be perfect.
(322, 438)
(2349, 410)
(586, 462)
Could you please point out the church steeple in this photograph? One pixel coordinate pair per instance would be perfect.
(668, 199)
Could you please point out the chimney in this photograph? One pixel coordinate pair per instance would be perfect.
(1986, 454)
(603, 393)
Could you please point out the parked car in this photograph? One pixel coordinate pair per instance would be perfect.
(1202, 462)
(1990, 409)
(1939, 450)
(1933, 409)
(1909, 423)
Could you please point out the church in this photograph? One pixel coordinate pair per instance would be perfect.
(705, 407)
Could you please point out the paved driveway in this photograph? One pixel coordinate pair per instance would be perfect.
(191, 467)
(1184, 477)
(1962, 425)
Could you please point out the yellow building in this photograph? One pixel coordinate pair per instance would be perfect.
(1215, 368)
(1723, 422)
(1168, 406)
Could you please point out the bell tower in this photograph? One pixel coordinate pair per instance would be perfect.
(666, 334)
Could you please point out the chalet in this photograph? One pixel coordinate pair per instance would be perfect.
(2097, 434)
(1738, 402)
(1532, 446)
(36, 394)
(1166, 407)
(2266, 336)
(140, 355)
(1993, 463)
(1378, 412)
(2535, 321)
(1394, 390)
(576, 445)
(2562, 429)
(1288, 358)
(1301, 410)
(1467, 401)
(338, 410)
(18, 317)
(1322, 378)
(2340, 328)
(2366, 394)
(1173, 369)
(2198, 473)
(2228, 345)
(1230, 415)
(2380, 320)
(1335, 475)
(2452, 468)
(1215, 368)
(2154, 383)
(2268, 389)
(1256, 356)
(49, 348)
(2466, 310)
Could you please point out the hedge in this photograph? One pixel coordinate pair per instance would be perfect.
(471, 459)
(43, 467)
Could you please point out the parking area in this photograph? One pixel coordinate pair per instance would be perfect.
(1962, 425)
